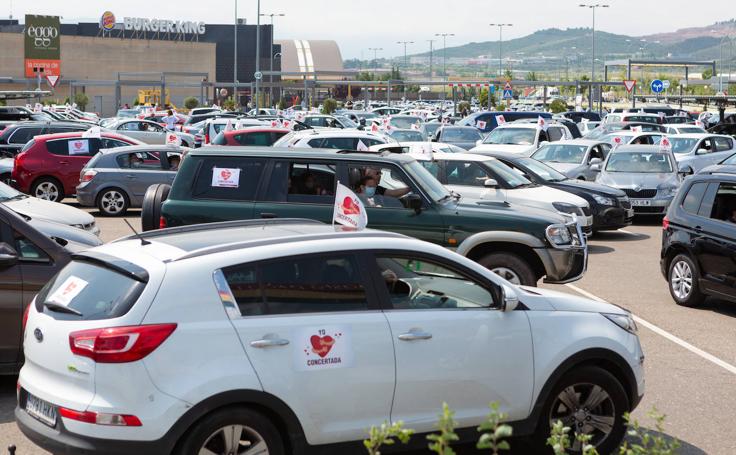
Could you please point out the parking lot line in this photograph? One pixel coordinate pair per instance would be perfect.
(659, 331)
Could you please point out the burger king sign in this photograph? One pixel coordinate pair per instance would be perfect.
(107, 21)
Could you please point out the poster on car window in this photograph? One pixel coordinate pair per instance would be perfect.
(323, 347)
(224, 177)
(78, 147)
(69, 289)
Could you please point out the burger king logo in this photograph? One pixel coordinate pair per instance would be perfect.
(107, 21)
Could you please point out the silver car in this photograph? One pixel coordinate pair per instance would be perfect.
(117, 179)
(646, 173)
(147, 131)
(701, 150)
(574, 158)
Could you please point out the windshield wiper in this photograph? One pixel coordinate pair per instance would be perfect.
(61, 308)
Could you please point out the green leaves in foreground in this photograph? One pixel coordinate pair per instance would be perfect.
(494, 432)
(386, 435)
(440, 443)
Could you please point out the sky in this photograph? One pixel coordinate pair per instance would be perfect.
(360, 25)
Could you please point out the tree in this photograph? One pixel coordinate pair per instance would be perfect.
(557, 106)
(707, 74)
(508, 74)
(191, 102)
(82, 100)
(229, 104)
(532, 76)
(329, 106)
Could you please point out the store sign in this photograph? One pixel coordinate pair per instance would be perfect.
(42, 45)
(107, 21)
(164, 26)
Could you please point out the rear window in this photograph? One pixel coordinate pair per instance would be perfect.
(95, 291)
(228, 178)
(23, 135)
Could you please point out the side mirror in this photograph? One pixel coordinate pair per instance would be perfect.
(509, 298)
(414, 201)
(686, 170)
(431, 137)
(595, 167)
(701, 151)
(8, 255)
(594, 161)
(490, 183)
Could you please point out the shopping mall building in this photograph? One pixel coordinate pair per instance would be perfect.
(118, 59)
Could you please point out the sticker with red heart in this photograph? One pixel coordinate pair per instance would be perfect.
(225, 174)
(321, 345)
(78, 145)
(350, 207)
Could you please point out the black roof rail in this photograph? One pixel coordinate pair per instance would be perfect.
(219, 225)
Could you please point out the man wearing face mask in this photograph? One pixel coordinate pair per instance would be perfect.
(375, 173)
(367, 192)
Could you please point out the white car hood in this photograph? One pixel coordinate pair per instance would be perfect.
(562, 301)
(40, 209)
(503, 148)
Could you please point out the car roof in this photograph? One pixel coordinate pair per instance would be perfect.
(145, 148)
(256, 129)
(579, 141)
(337, 132)
(460, 157)
(718, 169)
(696, 135)
(531, 126)
(298, 153)
(75, 134)
(37, 123)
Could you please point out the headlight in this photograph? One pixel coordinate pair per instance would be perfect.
(564, 207)
(558, 234)
(625, 321)
(667, 190)
(602, 200)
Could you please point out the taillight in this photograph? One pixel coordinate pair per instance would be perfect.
(665, 223)
(162, 223)
(99, 418)
(119, 344)
(87, 176)
(25, 316)
(206, 138)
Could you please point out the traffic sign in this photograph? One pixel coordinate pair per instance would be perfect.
(507, 86)
(52, 80)
(629, 85)
(258, 75)
(657, 86)
(508, 94)
(666, 84)
(492, 89)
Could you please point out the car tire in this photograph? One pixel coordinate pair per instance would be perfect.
(113, 202)
(683, 281)
(151, 207)
(511, 267)
(209, 433)
(48, 188)
(577, 387)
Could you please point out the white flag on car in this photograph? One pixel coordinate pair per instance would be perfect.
(500, 120)
(94, 132)
(172, 139)
(542, 123)
(349, 209)
(665, 144)
(480, 124)
(229, 126)
(361, 147)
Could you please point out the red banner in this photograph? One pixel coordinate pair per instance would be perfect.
(50, 67)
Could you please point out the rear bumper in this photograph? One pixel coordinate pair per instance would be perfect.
(85, 197)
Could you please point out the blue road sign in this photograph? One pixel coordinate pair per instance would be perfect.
(657, 86)
(508, 94)
(493, 89)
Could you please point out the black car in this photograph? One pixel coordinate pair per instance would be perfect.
(578, 116)
(699, 238)
(15, 136)
(609, 206)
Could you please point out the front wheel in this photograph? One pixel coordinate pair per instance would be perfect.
(683, 281)
(510, 267)
(232, 431)
(112, 202)
(589, 400)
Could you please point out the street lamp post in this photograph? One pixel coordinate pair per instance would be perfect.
(258, 55)
(592, 7)
(720, 61)
(406, 62)
(375, 57)
(270, 76)
(500, 46)
(444, 58)
(235, 52)
(431, 43)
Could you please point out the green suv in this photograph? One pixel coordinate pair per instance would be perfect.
(400, 195)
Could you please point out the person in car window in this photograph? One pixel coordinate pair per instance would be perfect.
(310, 186)
(135, 160)
(382, 191)
(367, 192)
(174, 162)
(732, 218)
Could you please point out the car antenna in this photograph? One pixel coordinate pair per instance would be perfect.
(137, 234)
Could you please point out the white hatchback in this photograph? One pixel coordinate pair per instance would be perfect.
(279, 336)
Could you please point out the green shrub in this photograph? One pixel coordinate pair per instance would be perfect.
(440, 443)
(494, 431)
(557, 106)
(386, 435)
(82, 100)
(191, 102)
(329, 106)
(229, 104)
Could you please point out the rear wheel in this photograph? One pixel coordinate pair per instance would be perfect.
(112, 202)
(510, 267)
(48, 188)
(683, 281)
(232, 431)
(151, 207)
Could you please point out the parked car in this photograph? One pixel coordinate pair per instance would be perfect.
(586, 127)
(48, 166)
(633, 117)
(327, 121)
(627, 137)
(464, 137)
(607, 128)
(258, 332)
(699, 237)
(487, 179)
(582, 116)
(406, 135)
(524, 245)
(15, 136)
(490, 119)
(332, 139)
(521, 138)
(646, 173)
(684, 129)
(148, 132)
(701, 150)
(212, 127)
(117, 179)
(611, 207)
(574, 158)
(250, 136)
(385, 110)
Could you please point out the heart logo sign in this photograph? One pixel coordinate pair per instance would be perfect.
(321, 348)
(225, 174)
(78, 145)
(350, 206)
(321, 345)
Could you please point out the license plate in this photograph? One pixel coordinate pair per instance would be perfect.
(41, 410)
(641, 202)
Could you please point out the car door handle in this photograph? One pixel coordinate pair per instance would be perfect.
(63, 162)
(698, 229)
(413, 335)
(269, 342)
(268, 215)
(131, 177)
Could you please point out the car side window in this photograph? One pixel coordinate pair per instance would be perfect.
(260, 138)
(555, 134)
(416, 283)
(311, 284)
(226, 178)
(27, 250)
(722, 144)
(704, 147)
(23, 135)
(139, 160)
(694, 197)
(341, 143)
(378, 187)
(312, 182)
(724, 204)
(111, 144)
(465, 173)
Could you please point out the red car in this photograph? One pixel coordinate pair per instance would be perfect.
(48, 166)
(250, 136)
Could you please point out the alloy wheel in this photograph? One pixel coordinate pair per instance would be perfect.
(507, 274)
(681, 280)
(47, 191)
(586, 409)
(234, 440)
(112, 202)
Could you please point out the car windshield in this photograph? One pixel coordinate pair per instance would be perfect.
(683, 145)
(449, 148)
(461, 135)
(427, 181)
(542, 170)
(432, 127)
(511, 136)
(405, 122)
(127, 113)
(639, 162)
(625, 139)
(505, 173)
(346, 122)
(7, 193)
(561, 153)
(407, 135)
(690, 130)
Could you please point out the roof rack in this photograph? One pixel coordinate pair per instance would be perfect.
(219, 225)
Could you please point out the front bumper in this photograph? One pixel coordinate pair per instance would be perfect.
(651, 206)
(612, 218)
(568, 263)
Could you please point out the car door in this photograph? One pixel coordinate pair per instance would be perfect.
(75, 153)
(722, 149)
(452, 343)
(135, 129)
(11, 300)
(138, 177)
(314, 333)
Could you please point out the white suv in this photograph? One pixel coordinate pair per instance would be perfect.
(332, 139)
(278, 336)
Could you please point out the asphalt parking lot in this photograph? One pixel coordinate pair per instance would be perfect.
(690, 353)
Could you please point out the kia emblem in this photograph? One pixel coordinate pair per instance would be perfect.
(38, 334)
